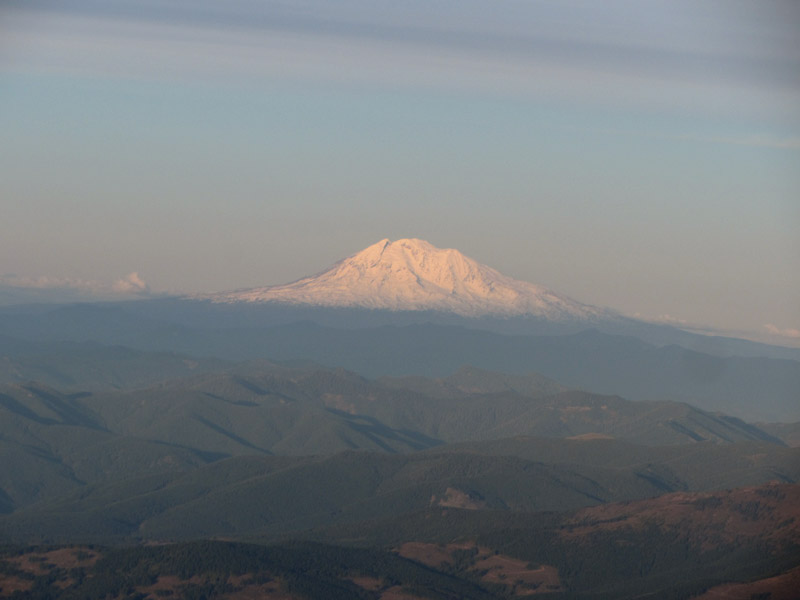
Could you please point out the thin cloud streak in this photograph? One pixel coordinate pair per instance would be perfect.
(754, 141)
(769, 335)
(427, 47)
(786, 333)
(130, 285)
(758, 141)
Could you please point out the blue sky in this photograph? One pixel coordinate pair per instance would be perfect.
(638, 155)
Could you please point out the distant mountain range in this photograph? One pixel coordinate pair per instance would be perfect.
(33, 345)
(59, 442)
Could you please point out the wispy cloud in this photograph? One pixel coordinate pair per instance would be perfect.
(761, 141)
(667, 54)
(131, 285)
(664, 319)
(769, 335)
(785, 333)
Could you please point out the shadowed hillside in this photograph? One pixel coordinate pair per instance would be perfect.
(674, 546)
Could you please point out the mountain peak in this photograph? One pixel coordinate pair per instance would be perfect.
(413, 274)
(414, 262)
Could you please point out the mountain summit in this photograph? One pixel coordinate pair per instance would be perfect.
(414, 275)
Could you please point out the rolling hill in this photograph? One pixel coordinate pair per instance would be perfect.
(680, 546)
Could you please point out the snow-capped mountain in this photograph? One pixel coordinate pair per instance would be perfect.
(414, 275)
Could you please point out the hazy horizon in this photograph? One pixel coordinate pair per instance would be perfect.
(637, 156)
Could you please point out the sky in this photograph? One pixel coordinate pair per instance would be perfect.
(638, 155)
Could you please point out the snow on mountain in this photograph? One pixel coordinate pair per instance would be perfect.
(414, 275)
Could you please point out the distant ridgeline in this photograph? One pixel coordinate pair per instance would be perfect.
(257, 446)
